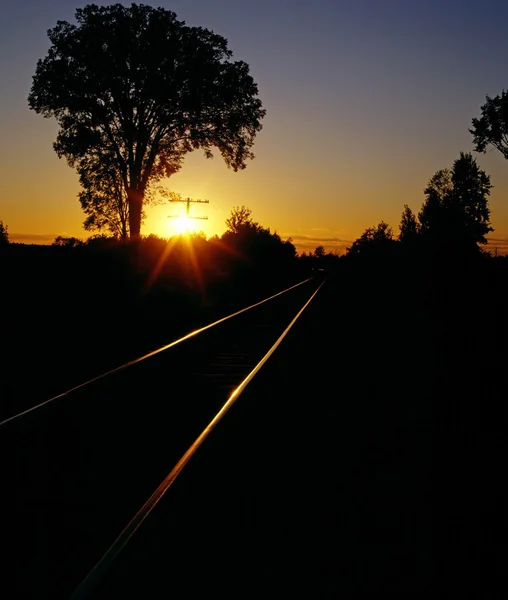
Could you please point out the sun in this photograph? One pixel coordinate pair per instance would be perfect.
(182, 224)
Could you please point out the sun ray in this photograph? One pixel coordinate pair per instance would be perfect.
(160, 263)
(196, 268)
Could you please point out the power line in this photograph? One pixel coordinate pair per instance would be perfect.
(188, 202)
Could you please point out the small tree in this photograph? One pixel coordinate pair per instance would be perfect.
(320, 252)
(437, 194)
(240, 220)
(67, 242)
(471, 189)
(4, 234)
(409, 227)
(255, 244)
(374, 240)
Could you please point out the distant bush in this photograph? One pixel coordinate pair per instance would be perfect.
(4, 234)
(67, 242)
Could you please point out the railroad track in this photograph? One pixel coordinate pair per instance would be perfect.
(81, 466)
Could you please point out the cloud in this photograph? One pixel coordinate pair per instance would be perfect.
(32, 238)
(321, 240)
(497, 243)
(493, 240)
(326, 229)
(308, 243)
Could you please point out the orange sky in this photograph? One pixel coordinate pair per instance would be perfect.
(326, 205)
(363, 106)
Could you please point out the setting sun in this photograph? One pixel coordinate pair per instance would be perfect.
(183, 225)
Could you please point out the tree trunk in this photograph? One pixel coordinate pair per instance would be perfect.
(123, 225)
(135, 199)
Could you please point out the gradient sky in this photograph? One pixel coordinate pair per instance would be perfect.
(366, 99)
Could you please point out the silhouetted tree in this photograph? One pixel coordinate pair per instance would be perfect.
(492, 127)
(256, 245)
(455, 210)
(143, 88)
(437, 193)
(374, 240)
(409, 227)
(320, 252)
(67, 242)
(320, 259)
(4, 234)
(100, 241)
(241, 220)
(471, 189)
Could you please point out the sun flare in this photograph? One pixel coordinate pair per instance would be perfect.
(182, 224)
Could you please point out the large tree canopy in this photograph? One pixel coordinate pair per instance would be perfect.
(143, 88)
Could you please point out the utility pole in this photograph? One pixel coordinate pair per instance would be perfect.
(188, 202)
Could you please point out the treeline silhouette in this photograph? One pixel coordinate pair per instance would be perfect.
(441, 251)
(454, 218)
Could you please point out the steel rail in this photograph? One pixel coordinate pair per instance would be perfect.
(103, 565)
(145, 356)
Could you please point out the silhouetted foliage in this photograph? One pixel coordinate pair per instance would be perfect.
(142, 89)
(256, 247)
(320, 260)
(240, 220)
(320, 252)
(455, 212)
(492, 127)
(103, 197)
(471, 188)
(100, 241)
(409, 226)
(4, 234)
(373, 241)
(437, 193)
(67, 242)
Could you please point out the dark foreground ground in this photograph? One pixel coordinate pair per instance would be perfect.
(365, 460)
(354, 466)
